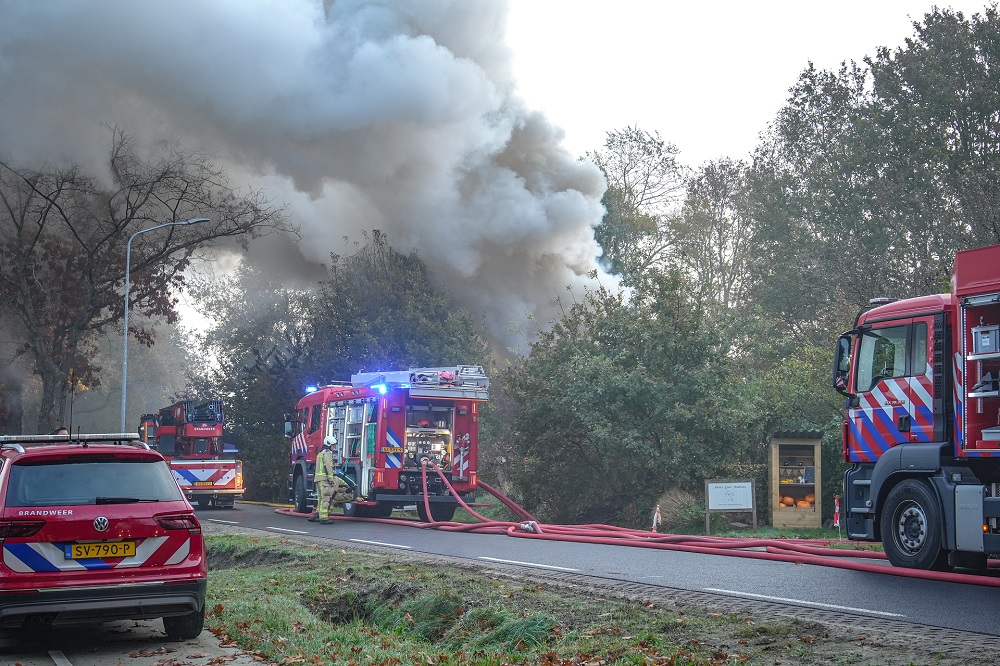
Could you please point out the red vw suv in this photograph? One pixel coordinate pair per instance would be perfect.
(94, 528)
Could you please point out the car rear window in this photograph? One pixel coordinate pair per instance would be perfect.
(82, 482)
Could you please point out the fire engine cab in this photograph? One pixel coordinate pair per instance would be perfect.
(391, 429)
(922, 426)
(189, 435)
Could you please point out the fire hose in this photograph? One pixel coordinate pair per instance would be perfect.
(798, 551)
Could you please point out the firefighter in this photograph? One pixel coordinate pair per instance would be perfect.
(330, 487)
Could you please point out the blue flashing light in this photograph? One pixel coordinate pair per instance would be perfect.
(312, 388)
(381, 388)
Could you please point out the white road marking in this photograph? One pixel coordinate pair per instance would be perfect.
(527, 564)
(225, 522)
(382, 543)
(59, 658)
(803, 603)
(282, 529)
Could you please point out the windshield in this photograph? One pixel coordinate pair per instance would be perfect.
(76, 483)
(890, 353)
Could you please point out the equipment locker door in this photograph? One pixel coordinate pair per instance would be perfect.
(893, 390)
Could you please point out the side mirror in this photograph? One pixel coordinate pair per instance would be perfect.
(842, 365)
(288, 427)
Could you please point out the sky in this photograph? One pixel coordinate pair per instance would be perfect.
(708, 76)
(453, 126)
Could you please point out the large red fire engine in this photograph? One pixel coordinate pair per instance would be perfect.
(386, 425)
(922, 429)
(189, 435)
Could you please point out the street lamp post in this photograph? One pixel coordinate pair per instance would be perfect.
(128, 267)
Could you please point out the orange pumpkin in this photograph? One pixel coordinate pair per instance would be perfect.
(802, 504)
(788, 501)
(810, 498)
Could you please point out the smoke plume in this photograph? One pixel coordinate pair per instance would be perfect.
(400, 115)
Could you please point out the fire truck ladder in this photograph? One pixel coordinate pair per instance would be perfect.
(463, 381)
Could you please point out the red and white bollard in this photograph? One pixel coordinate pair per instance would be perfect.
(836, 515)
(656, 518)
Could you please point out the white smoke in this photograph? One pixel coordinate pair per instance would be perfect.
(399, 115)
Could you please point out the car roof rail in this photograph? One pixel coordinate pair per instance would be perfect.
(18, 442)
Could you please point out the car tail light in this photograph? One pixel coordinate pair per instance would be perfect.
(19, 528)
(239, 474)
(180, 521)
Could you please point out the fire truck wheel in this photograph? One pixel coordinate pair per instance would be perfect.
(912, 526)
(301, 506)
(381, 510)
(439, 512)
(355, 510)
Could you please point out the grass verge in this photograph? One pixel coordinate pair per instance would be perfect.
(291, 603)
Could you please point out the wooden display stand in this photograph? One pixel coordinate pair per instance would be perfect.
(795, 474)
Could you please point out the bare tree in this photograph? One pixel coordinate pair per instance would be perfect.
(63, 237)
(715, 234)
(645, 184)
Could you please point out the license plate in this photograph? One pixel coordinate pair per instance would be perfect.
(85, 551)
(204, 483)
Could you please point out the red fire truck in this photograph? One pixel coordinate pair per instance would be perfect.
(386, 425)
(189, 435)
(922, 428)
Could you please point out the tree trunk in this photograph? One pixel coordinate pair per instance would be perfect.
(11, 408)
(51, 410)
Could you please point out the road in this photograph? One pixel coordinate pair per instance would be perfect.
(858, 598)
